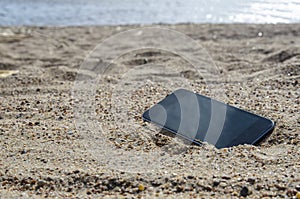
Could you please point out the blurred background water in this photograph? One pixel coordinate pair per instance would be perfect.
(116, 12)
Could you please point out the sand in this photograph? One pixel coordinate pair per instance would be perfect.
(43, 154)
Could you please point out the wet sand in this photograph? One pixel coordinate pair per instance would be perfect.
(43, 154)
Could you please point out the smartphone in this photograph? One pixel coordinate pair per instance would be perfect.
(198, 119)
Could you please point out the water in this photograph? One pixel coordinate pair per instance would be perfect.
(115, 12)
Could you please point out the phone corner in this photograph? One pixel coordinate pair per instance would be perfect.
(144, 118)
(272, 124)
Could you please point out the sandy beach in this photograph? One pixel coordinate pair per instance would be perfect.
(43, 154)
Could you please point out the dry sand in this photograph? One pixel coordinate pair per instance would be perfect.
(44, 155)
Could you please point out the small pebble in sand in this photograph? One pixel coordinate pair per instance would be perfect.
(23, 151)
(235, 193)
(216, 183)
(223, 184)
(298, 195)
(244, 191)
(141, 187)
(298, 187)
(251, 180)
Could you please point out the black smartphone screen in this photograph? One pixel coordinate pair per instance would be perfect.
(201, 119)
